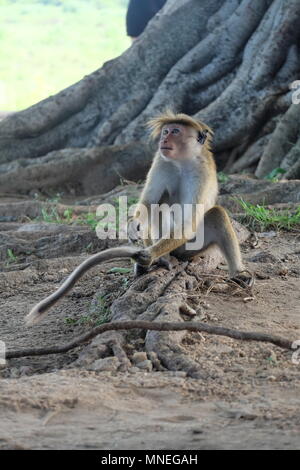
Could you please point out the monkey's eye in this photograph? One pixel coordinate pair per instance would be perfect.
(174, 131)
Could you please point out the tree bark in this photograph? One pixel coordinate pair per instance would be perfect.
(229, 63)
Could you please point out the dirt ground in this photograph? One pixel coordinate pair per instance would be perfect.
(250, 399)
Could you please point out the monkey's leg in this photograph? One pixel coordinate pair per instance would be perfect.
(139, 270)
(218, 230)
(164, 262)
(134, 235)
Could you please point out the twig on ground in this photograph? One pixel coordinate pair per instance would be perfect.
(158, 326)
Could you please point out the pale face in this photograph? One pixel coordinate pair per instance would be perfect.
(178, 142)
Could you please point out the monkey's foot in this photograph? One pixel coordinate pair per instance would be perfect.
(164, 262)
(244, 279)
(139, 270)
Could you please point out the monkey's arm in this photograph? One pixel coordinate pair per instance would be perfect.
(139, 226)
(198, 202)
(167, 245)
(159, 249)
(39, 311)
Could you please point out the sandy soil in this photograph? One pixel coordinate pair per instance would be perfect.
(250, 399)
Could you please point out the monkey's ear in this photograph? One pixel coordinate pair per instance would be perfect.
(202, 136)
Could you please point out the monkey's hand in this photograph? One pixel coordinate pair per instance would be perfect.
(143, 257)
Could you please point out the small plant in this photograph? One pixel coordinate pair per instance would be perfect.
(222, 177)
(99, 314)
(261, 218)
(71, 321)
(68, 215)
(101, 310)
(120, 270)
(125, 282)
(90, 219)
(11, 257)
(272, 360)
(56, 198)
(275, 174)
(50, 215)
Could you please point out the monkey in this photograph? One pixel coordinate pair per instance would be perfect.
(183, 172)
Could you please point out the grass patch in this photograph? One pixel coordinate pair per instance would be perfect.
(261, 218)
(275, 175)
(120, 270)
(222, 177)
(105, 221)
(90, 219)
(51, 215)
(11, 257)
(99, 314)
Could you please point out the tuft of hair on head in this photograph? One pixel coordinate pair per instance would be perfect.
(170, 117)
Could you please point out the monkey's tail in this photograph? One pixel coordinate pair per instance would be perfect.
(39, 310)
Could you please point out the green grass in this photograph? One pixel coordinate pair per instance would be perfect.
(51, 215)
(99, 314)
(11, 257)
(90, 219)
(222, 177)
(47, 45)
(261, 218)
(120, 270)
(275, 175)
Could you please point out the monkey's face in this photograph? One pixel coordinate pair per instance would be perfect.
(178, 142)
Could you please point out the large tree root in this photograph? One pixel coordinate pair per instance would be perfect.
(151, 298)
(157, 302)
(283, 149)
(77, 170)
(232, 68)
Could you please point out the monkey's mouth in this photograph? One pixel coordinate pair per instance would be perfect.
(166, 148)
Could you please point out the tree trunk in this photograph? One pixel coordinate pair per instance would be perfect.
(229, 63)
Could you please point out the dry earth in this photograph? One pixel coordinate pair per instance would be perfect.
(250, 399)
